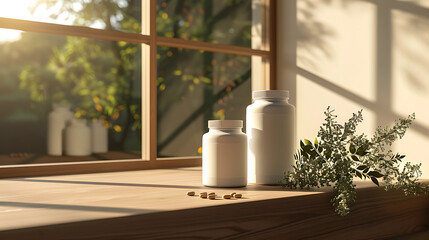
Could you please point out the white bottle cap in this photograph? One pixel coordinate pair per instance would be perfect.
(282, 94)
(225, 123)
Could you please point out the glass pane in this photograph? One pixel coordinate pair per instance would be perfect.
(194, 87)
(217, 21)
(95, 81)
(121, 15)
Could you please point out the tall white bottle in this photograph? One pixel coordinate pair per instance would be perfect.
(78, 138)
(270, 129)
(57, 120)
(99, 137)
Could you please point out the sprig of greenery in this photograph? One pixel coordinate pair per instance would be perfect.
(340, 154)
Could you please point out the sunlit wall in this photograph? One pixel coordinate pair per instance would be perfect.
(358, 54)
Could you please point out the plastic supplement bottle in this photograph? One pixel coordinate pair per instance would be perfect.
(225, 154)
(99, 137)
(270, 131)
(78, 138)
(57, 121)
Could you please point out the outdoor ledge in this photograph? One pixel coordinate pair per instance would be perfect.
(152, 204)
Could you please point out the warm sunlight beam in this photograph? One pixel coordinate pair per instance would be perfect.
(21, 9)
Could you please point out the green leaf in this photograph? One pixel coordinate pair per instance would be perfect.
(375, 174)
(374, 180)
(359, 174)
(361, 167)
(366, 170)
(308, 142)
(307, 149)
(301, 144)
(315, 141)
(361, 151)
(352, 148)
(355, 158)
(312, 153)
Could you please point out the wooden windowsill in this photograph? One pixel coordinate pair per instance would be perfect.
(153, 204)
(31, 158)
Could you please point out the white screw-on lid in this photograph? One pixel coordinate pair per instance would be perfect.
(282, 94)
(225, 123)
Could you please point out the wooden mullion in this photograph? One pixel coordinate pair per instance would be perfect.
(210, 47)
(145, 83)
(153, 78)
(149, 75)
(77, 31)
(146, 37)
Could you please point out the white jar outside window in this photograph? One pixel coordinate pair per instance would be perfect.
(58, 119)
(78, 138)
(225, 154)
(99, 137)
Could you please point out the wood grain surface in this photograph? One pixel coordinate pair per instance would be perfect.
(153, 204)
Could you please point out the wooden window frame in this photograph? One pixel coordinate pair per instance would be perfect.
(263, 69)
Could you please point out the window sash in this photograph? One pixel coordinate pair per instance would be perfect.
(263, 77)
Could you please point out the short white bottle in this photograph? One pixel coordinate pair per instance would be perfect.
(57, 120)
(270, 129)
(225, 154)
(78, 138)
(99, 137)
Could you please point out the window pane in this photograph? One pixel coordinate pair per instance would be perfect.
(121, 15)
(194, 87)
(217, 21)
(95, 80)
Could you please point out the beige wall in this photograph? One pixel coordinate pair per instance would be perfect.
(358, 54)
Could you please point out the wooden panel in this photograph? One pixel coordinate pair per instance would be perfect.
(153, 204)
(52, 28)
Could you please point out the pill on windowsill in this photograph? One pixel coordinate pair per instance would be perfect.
(232, 194)
(191, 193)
(212, 197)
(238, 195)
(226, 196)
(203, 195)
